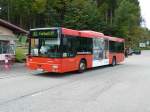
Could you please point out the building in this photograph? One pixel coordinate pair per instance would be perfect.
(8, 37)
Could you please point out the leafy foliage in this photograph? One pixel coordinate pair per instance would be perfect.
(119, 18)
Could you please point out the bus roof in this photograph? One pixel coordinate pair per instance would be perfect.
(90, 34)
(82, 33)
(114, 38)
(70, 32)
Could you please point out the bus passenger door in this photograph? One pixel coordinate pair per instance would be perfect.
(69, 53)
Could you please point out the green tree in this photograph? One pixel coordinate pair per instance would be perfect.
(120, 18)
(127, 19)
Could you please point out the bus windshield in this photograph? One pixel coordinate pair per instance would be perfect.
(45, 44)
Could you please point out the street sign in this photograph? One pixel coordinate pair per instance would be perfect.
(142, 45)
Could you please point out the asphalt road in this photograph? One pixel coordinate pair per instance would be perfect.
(124, 88)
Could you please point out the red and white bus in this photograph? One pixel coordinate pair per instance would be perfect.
(62, 50)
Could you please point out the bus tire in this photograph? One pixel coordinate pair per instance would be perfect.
(114, 62)
(82, 66)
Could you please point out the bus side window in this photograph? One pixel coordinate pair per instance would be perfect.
(85, 45)
(116, 47)
(69, 46)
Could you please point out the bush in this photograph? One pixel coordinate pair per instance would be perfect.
(21, 54)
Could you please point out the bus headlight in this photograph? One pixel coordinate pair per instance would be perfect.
(27, 64)
(55, 66)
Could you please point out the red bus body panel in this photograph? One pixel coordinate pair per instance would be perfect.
(64, 64)
(119, 57)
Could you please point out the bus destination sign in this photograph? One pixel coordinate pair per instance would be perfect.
(44, 34)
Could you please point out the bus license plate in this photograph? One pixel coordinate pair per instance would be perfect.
(40, 70)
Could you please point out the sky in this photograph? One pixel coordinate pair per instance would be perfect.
(145, 11)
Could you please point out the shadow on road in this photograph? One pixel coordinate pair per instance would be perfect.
(55, 75)
(74, 73)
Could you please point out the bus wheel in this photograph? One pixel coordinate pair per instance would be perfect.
(114, 61)
(82, 66)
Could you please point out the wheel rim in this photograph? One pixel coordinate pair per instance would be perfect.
(114, 62)
(82, 66)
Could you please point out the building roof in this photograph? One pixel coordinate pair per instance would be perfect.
(12, 27)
